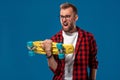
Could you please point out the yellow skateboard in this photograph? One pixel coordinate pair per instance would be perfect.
(57, 48)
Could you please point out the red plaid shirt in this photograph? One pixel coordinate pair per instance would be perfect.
(85, 55)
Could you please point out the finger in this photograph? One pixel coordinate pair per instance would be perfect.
(42, 45)
(48, 41)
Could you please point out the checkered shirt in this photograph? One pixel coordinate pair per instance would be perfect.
(85, 56)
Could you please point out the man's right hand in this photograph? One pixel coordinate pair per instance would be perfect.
(47, 46)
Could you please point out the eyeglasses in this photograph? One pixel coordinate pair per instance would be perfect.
(66, 17)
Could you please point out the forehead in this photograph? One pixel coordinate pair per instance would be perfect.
(67, 11)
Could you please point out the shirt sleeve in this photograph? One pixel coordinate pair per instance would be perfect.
(93, 63)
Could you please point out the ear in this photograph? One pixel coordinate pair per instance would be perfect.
(76, 17)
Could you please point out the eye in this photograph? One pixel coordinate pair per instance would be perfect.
(62, 16)
(67, 16)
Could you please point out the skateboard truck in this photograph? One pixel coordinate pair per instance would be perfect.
(61, 54)
(30, 45)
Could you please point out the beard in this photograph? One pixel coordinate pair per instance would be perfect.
(67, 27)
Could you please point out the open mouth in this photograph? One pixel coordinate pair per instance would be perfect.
(65, 24)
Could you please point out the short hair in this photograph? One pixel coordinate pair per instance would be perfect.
(68, 5)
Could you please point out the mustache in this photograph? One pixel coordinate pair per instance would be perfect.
(65, 23)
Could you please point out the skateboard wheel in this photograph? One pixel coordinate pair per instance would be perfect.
(59, 45)
(31, 53)
(30, 43)
(61, 56)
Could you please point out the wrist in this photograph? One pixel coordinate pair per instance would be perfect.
(49, 56)
(48, 53)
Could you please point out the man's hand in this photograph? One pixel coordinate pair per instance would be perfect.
(47, 46)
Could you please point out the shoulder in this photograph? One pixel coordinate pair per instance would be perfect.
(57, 37)
(84, 33)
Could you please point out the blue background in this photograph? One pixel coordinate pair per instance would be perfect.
(25, 20)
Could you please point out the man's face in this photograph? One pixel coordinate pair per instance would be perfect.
(68, 19)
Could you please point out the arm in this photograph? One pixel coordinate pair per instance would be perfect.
(47, 45)
(54, 64)
(51, 60)
(92, 74)
(93, 63)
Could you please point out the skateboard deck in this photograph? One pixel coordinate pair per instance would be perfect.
(56, 47)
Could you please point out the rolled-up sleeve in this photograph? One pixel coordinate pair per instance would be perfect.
(93, 62)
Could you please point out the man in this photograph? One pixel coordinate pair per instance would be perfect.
(74, 66)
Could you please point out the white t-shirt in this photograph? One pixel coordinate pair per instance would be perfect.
(69, 38)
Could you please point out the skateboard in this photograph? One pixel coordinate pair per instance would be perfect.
(57, 48)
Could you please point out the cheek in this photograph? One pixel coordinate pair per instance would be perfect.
(71, 21)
